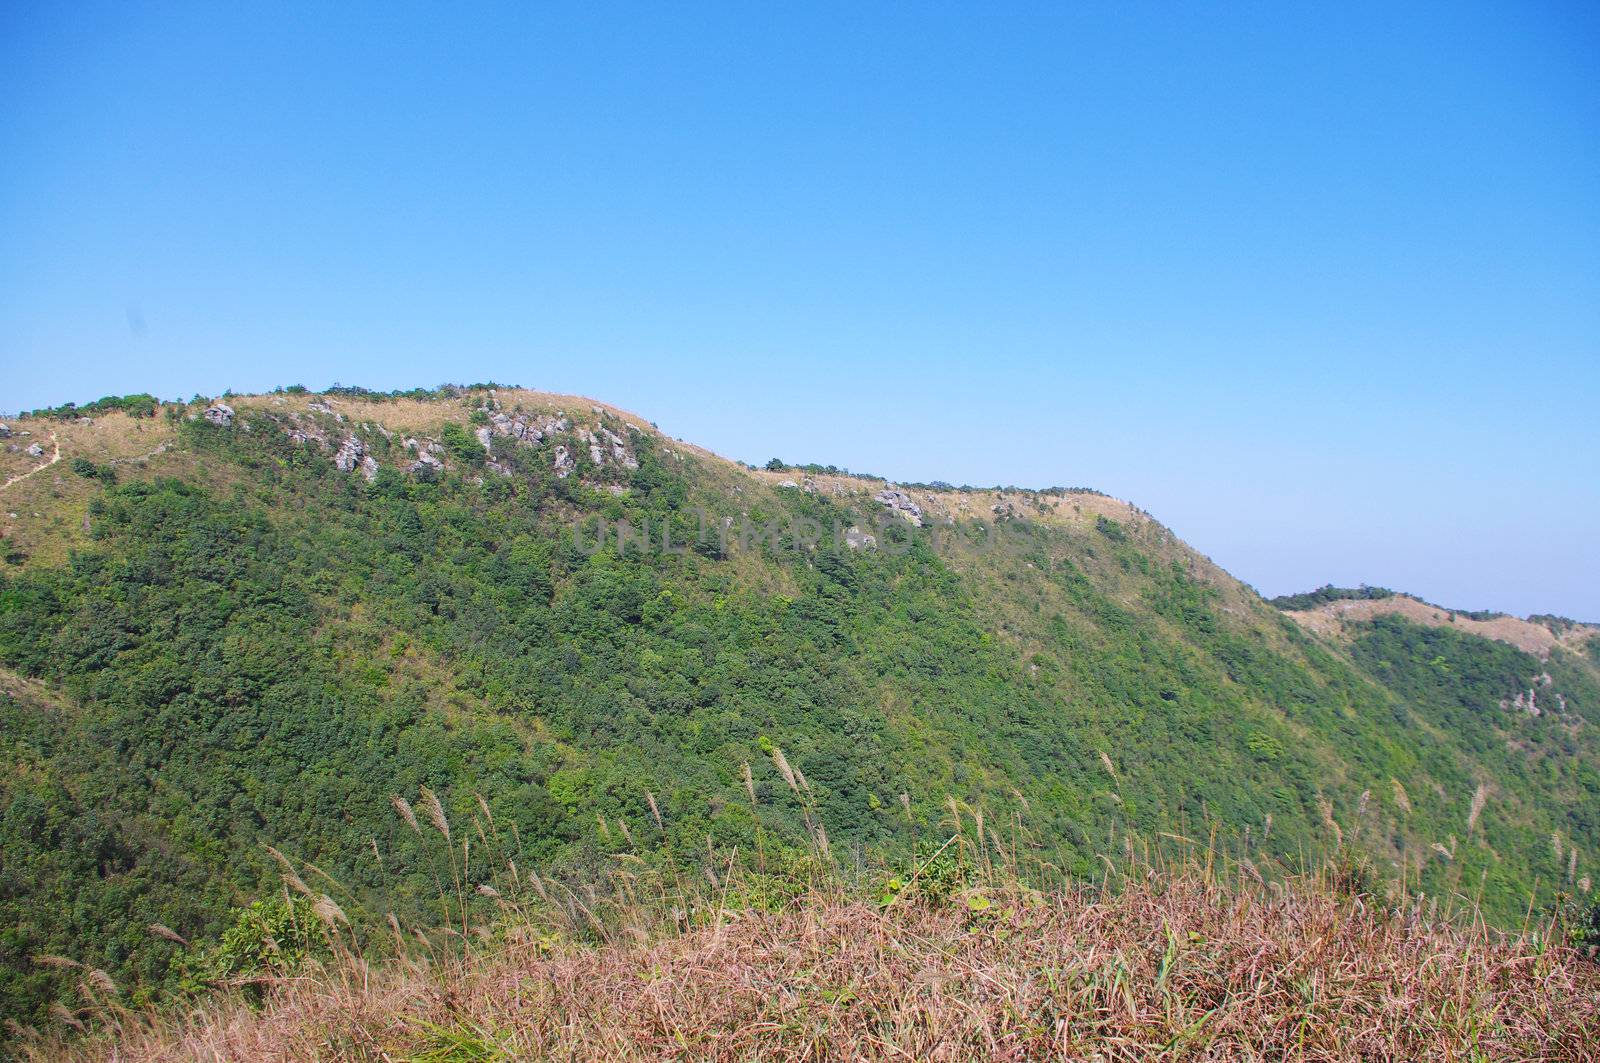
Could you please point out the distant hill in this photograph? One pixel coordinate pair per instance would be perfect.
(1327, 609)
(257, 621)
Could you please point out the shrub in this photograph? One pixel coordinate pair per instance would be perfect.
(270, 937)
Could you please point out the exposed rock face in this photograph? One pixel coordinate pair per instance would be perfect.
(604, 447)
(596, 454)
(621, 453)
(426, 458)
(524, 428)
(901, 503)
(219, 413)
(34, 451)
(1004, 509)
(350, 454)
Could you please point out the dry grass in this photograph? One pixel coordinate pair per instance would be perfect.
(1328, 619)
(1162, 966)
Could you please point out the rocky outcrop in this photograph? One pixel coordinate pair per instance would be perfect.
(220, 414)
(524, 428)
(350, 454)
(619, 449)
(34, 451)
(596, 455)
(425, 463)
(901, 503)
(604, 447)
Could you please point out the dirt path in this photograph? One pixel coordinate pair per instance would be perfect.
(24, 475)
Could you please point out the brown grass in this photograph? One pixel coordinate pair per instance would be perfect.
(1161, 966)
(1328, 619)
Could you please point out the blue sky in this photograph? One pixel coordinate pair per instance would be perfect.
(1318, 286)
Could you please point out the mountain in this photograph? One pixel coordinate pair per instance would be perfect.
(234, 633)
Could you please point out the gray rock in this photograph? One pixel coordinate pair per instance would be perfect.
(563, 463)
(901, 503)
(425, 460)
(369, 467)
(485, 434)
(219, 413)
(350, 454)
(34, 451)
(5, 431)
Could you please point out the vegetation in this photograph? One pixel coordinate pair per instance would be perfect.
(1329, 593)
(1184, 957)
(140, 405)
(252, 649)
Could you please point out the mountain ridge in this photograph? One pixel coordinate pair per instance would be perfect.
(257, 620)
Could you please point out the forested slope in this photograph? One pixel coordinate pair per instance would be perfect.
(228, 632)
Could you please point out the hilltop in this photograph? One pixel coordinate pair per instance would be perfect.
(260, 621)
(1346, 612)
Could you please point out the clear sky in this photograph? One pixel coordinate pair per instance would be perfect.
(1316, 285)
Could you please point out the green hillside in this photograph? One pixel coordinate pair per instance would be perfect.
(223, 633)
